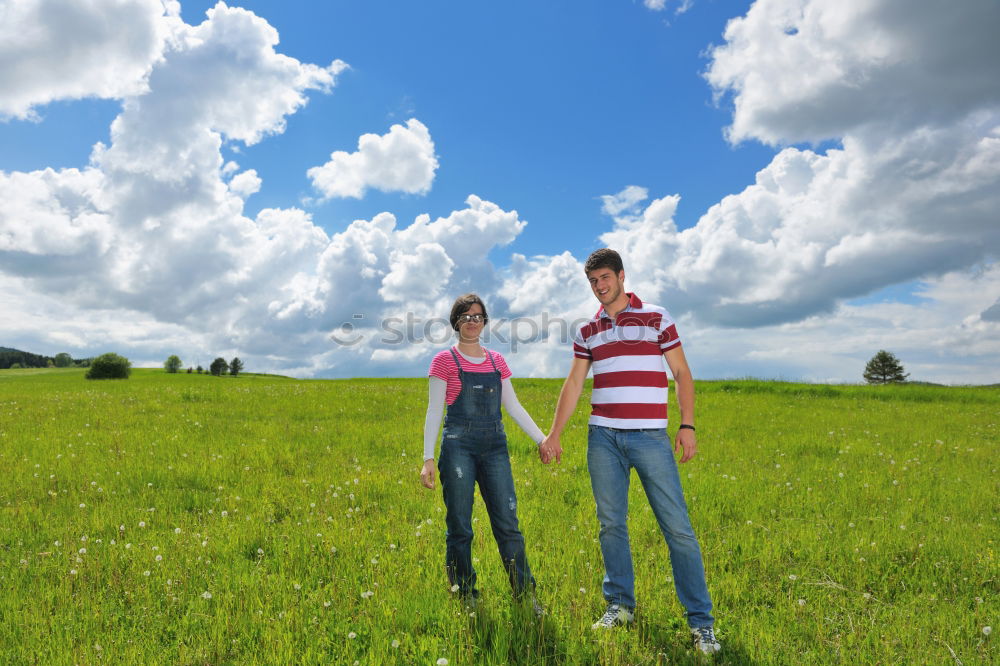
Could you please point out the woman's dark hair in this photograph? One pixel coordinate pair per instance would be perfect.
(462, 305)
(604, 258)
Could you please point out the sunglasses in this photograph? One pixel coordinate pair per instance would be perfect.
(466, 318)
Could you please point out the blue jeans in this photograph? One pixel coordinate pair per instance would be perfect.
(611, 455)
(474, 453)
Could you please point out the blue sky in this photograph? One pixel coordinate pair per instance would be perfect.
(800, 182)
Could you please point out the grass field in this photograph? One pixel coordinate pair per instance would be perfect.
(186, 519)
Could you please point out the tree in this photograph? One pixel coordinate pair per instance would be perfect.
(172, 364)
(884, 368)
(190, 369)
(109, 366)
(218, 367)
(63, 360)
(235, 366)
(200, 370)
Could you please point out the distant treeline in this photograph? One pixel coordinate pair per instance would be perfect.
(15, 358)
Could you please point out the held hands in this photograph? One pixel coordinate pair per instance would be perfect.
(686, 440)
(427, 474)
(550, 449)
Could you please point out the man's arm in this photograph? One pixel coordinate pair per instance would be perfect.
(684, 388)
(568, 397)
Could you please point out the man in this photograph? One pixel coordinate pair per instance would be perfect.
(626, 343)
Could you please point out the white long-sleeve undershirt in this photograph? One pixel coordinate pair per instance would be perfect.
(436, 389)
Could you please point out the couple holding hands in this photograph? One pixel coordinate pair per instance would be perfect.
(625, 345)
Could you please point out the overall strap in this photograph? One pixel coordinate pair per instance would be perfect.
(490, 356)
(458, 364)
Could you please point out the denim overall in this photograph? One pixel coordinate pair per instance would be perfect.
(474, 450)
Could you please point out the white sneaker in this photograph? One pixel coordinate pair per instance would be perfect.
(615, 616)
(705, 640)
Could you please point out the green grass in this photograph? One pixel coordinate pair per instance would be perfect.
(839, 524)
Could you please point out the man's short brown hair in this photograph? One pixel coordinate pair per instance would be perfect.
(462, 305)
(604, 258)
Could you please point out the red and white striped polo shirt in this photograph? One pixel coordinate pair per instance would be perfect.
(630, 373)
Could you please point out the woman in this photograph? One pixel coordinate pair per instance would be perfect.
(475, 382)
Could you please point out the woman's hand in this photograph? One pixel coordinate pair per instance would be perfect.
(427, 474)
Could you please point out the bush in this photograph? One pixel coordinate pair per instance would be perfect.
(109, 366)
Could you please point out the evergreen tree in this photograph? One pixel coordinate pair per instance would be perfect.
(235, 366)
(218, 367)
(884, 368)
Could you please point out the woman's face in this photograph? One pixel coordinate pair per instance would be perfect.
(470, 326)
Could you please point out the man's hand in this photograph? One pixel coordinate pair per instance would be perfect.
(550, 449)
(427, 474)
(686, 440)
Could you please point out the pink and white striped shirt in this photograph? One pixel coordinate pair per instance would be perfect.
(443, 367)
(630, 373)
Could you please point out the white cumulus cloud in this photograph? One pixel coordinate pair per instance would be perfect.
(67, 49)
(402, 160)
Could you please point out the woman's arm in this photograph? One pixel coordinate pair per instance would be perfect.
(521, 417)
(436, 389)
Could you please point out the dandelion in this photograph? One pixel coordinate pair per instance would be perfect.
(72, 572)
(867, 595)
(206, 595)
(352, 635)
(121, 528)
(326, 604)
(127, 546)
(583, 590)
(297, 586)
(792, 577)
(159, 558)
(146, 573)
(83, 551)
(395, 643)
(442, 662)
(374, 560)
(802, 602)
(987, 630)
(83, 506)
(260, 551)
(177, 530)
(454, 588)
(142, 523)
(225, 513)
(367, 595)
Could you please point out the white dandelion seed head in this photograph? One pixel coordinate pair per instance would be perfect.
(177, 530)
(142, 523)
(297, 586)
(352, 635)
(792, 577)
(146, 572)
(802, 602)
(987, 630)
(83, 551)
(72, 572)
(454, 588)
(206, 595)
(83, 506)
(583, 590)
(374, 560)
(395, 643)
(159, 558)
(442, 662)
